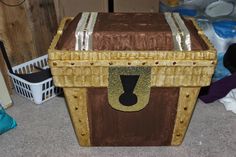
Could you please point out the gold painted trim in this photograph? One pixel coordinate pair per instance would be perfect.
(77, 105)
(164, 76)
(186, 103)
(130, 63)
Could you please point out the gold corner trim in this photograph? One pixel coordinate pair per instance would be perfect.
(186, 104)
(203, 36)
(77, 104)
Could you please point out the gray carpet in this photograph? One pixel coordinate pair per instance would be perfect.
(46, 131)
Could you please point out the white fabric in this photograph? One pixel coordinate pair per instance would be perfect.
(229, 101)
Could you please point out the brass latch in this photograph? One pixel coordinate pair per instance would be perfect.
(129, 88)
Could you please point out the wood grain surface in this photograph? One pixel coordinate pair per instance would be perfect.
(152, 126)
(26, 30)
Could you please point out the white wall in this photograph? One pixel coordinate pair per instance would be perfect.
(136, 5)
(4, 95)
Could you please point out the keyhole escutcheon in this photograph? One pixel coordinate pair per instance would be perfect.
(128, 98)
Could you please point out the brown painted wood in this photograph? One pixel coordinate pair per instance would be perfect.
(130, 31)
(152, 126)
(197, 42)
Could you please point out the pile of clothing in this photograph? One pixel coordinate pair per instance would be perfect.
(6, 121)
(224, 89)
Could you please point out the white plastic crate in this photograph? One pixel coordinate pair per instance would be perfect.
(36, 92)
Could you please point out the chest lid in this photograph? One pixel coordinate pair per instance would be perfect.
(130, 31)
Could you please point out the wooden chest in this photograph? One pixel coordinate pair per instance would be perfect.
(131, 79)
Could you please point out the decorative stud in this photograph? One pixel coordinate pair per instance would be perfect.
(178, 135)
(54, 63)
